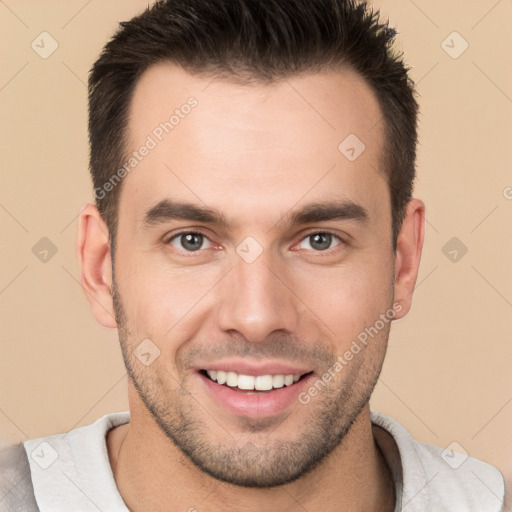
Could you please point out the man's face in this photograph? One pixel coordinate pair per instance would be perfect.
(289, 260)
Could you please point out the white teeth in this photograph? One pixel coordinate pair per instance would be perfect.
(232, 379)
(288, 380)
(263, 382)
(246, 382)
(249, 382)
(278, 381)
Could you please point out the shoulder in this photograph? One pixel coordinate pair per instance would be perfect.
(462, 478)
(71, 470)
(16, 489)
(444, 479)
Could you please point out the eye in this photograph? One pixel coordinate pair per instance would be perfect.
(319, 241)
(190, 241)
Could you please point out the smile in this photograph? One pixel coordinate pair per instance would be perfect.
(252, 382)
(260, 395)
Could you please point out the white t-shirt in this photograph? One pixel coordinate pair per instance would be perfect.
(71, 471)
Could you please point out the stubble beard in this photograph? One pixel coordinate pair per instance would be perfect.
(252, 459)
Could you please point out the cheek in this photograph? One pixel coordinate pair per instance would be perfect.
(347, 299)
(159, 299)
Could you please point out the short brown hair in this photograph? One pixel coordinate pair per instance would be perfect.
(252, 40)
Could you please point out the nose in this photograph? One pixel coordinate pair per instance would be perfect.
(255, 302)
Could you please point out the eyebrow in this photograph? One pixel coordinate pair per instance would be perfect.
(167, 210)
(322, 212)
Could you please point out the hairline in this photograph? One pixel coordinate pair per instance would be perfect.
(250, 78)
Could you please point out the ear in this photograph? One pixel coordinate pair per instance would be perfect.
(93, 251)
(408, 254)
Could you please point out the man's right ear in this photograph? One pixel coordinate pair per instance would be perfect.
(93, 251)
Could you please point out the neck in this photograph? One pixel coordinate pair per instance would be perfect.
(152, 473)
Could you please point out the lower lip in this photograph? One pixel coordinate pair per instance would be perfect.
(262, 404)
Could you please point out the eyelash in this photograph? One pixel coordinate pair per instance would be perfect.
(323, 232)
(183, 233)
(326, 251)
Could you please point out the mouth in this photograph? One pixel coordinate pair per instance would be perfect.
(255, 393)
(252, 383)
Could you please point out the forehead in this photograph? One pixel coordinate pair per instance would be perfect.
(230, 145)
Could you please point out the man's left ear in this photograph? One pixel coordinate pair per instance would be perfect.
(408, 254)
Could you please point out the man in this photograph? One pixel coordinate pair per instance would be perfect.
(253, 239)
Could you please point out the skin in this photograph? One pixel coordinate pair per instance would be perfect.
(256, 154)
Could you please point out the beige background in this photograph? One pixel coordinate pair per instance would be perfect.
(447, 376)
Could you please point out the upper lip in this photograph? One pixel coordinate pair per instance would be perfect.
(244, 367)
